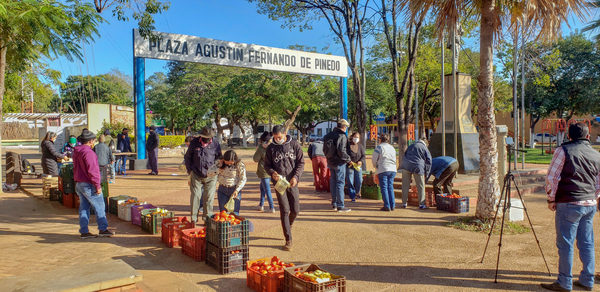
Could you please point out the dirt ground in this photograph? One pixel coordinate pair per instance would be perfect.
(404, 250)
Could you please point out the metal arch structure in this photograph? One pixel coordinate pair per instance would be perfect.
(177, 47)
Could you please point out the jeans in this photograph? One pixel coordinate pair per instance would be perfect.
(337, 182)
(265, 191)
(386, 183)
(223, 195)
(575, 222)
(354, 181)
(419, 181)
(89, 198)
(121, 164)
(289, 208)
(203, 194)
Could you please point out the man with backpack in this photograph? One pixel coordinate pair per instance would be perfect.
(335, 148)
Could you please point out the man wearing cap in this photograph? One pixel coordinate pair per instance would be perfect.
(201, 155)
(86, 173)
(573, 188)
(335, 146)
(152, 149)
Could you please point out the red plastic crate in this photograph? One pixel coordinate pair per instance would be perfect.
(169, 220)
(271, 282)
(60, 184)
(194, 247)
(171, 234)
(69, 200)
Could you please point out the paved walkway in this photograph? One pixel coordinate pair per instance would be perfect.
(406, 250)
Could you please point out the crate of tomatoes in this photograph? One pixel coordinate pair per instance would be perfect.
(227, 230)
(227, 260)
(452, 203)
(266, 275)
(171, 228)
(311, 278)
(193, 243)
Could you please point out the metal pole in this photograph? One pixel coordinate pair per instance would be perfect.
(442, 98)
(454, 90)
(523, 91)
(140, 108)
(344, 105)
(417, 112)
(515, 110)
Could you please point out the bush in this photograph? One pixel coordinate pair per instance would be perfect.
(116, 129)
(171, 141)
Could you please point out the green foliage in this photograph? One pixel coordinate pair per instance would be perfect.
(115, 129)
(20, 86)
(477, 225)
(171, 141)
(78, 90)
(142, 11)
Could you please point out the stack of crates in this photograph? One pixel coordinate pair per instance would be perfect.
(67, 182)
(49, 183)
(227, 245)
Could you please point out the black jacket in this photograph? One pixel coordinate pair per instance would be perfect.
(315, 149)
(153, 141)
(49, 158)
(123, 143)
(579, 173)
(199, 159)
(358, 155)
(334, 146)
(286, 159)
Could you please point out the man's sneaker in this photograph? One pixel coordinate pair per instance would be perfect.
(334, 208)
(584, 287)
(384, 209)
(343, 210)
(88, 235)
(403, 206)
(353, 201)
(553, 287)
(260, 208)
(106, 233)
(288, 245)
(422, 207)
(271, 210)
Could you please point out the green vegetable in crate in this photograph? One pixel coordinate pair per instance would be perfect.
(317, 276)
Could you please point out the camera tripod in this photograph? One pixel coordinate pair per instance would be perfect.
(504, 201)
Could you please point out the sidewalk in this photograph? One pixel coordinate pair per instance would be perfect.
(405, 250)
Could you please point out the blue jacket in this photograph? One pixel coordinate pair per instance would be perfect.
(417, 159)
(123, 143)
(439, 164)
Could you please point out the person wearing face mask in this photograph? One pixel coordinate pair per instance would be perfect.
(285, 157)
(201, 156)
(334, 146)
(232, 178)
(356, 151)
(69, 147)
(319, 164)
(265, 178)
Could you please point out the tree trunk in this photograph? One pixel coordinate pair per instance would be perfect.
(488, 152)
(3, 50)
(218, 123)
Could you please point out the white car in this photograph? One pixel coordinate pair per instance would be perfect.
(547, 138)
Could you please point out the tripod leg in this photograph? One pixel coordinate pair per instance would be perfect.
(531, 225)
(506, 197)
(495, 217)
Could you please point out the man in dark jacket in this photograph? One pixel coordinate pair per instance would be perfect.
(123, 145)
(443, 168)
(319, 165)
(573, 188)
(152, 149)
(285, 158)
(335, 148)
(417, 164)
(202, 154)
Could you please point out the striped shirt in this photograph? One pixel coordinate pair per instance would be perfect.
(232, 176)
(553, 178)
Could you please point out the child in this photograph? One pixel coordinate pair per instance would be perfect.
(232, 178)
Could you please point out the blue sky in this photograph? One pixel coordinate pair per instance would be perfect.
(231, 20)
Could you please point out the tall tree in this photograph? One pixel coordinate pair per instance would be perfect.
(78, 90)
(347, 20)
(30, 29)
(548, 15)
(142, 11)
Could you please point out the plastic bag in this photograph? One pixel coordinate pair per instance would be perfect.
(230, 205)
(281, 185)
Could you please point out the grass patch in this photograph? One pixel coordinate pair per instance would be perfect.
(476, 225)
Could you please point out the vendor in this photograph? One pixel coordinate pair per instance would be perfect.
(50, 155)
(443, 168)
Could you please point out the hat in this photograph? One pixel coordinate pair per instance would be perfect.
(107, 132)
(86, 136)
(206, 132)
(343, 122)
(578, 131)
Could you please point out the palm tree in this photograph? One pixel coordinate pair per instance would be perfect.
(594, 24)
(545, 15)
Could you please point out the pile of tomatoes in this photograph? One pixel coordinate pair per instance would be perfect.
(453, 196)
(199, 234)
(235, 251)
(224, 217)
(276, 265)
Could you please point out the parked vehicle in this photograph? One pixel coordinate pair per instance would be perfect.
(547, 138)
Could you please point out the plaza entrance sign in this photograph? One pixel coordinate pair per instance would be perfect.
(170, 46)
